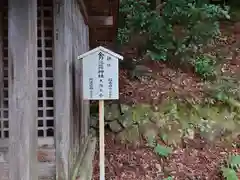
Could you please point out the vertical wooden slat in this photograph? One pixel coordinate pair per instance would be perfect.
(63, 58)
(23, 89)
(85, 103)
(75, 80)
(71, 40)
(81, 46)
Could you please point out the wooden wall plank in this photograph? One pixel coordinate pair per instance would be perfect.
(23, 89)
(81, 45)
(62, 75)
(71, 113)
(100, 21)
(46, 171)
(75, 80)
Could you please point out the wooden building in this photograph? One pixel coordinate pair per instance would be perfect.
(43, 118)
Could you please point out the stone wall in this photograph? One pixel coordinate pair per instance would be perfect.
(171, 121)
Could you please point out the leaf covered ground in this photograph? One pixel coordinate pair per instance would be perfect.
(199, 159)
(125, 162)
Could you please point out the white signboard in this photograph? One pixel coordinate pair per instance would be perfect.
(100, 74)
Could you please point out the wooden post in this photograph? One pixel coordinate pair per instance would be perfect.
(62, 77)
(80, 107)
(23, 90)
(101, 140)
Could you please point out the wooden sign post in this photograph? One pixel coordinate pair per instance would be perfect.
(100, 82)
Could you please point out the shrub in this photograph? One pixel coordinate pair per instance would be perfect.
(204, 66)
(182, 28)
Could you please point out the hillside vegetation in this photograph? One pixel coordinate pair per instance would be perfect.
(179, 92)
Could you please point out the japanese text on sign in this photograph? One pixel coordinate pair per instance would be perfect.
(100, 76)
(101, 73)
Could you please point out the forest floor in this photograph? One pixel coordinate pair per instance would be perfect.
(124, 162)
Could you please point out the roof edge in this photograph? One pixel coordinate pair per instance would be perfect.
(101, 48)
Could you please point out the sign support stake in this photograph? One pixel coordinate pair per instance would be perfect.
(101, 140)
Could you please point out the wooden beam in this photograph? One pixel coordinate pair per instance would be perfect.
(115, 19)
(62, 77)
(83, 10)
(22, 38)
(45, 170)
(81, 107)
(96, 21)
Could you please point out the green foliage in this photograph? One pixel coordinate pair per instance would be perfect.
(233, 163)
(229, 174)
(168, 178)
(204, 66)
(226, 90)
(159, 149)
(182, 29)
(163, 150)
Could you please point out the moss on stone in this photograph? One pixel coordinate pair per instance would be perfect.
(173, 119)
